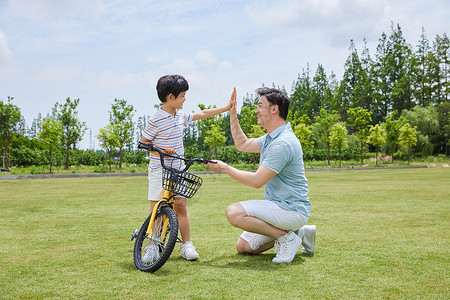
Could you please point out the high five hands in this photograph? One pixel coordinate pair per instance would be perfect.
(232, 104)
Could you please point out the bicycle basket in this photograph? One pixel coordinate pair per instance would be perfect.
(183, 184)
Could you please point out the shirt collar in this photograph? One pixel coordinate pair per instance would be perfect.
(166, 114)
(280, 129)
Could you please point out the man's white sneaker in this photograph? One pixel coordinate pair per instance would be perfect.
(188, 251)
(151, 253)
(286, 247)
(308, 235)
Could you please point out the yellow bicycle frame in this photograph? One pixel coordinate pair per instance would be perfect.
(167, 195)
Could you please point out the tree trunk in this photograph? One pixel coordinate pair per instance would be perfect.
(6, 143)
(376, 157)
(340, 160)
(51, 159)
(120, 157)
(328, 154)
(362, 152)
(409, 155)
(66, 164)
(109, 161)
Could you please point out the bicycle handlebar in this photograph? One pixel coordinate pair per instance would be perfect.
(151, 147)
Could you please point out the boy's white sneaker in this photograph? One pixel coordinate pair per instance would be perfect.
(286, 247)
(151, 254)
(308, 235)
(188, 251)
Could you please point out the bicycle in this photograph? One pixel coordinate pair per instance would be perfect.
(158, 235)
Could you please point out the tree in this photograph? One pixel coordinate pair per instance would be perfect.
(122, 113)
(73, 129)
(214, 138)
(322, 127)
(399, 58)
(355, 89)
(377, 137)
(204, 125)
(338, 138)
(304, 133)
(408, 138)
(392, 128)
(391, 74)
(424, 68)
(35, 127)
(140, 126)
(10, 117)
(321, 92)
(301, 95)
(51, 134)
(255, 132)
(426, 122)
(109, 139)
(248, 118)
(443, 142)
(381, 80)
(359, 119)
(441, 50)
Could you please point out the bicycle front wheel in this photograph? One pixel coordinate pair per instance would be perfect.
(152, 251)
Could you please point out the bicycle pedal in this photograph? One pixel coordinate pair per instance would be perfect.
(134, 235)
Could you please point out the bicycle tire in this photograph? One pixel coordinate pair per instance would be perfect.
(164, 245)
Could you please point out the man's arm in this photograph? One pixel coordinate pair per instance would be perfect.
(241, 141)
(256, 180)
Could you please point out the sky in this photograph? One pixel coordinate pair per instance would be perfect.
(99, 50)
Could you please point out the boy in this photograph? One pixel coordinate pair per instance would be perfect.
(165, 130)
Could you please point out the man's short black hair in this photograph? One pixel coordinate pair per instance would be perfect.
(171, 84)
(276, 97)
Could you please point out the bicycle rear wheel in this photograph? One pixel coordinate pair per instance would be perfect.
(163, 237)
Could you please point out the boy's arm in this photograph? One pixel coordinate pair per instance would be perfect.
(208, 113)
(165, 150)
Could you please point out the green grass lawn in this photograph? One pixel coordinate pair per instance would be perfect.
(380, 234)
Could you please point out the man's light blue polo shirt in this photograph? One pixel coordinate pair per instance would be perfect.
(282, 153)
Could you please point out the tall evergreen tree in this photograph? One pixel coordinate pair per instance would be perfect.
(302, 94)
(399, 59)
(441, 50)
(421, 67)
(355, 89)
(381, 81)
(321, 92)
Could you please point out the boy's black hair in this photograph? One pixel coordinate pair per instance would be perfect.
(276, 97)
(171, 84)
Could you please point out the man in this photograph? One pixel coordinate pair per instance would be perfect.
(279, 219)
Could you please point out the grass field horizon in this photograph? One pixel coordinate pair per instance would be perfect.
(380, 234)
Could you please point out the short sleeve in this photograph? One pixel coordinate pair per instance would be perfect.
(278, 155)
(187, 117)
(150, 130)
(261, 141)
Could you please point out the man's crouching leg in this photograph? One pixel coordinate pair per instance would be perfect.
(243, 246)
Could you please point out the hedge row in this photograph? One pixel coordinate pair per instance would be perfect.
(25, 157)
